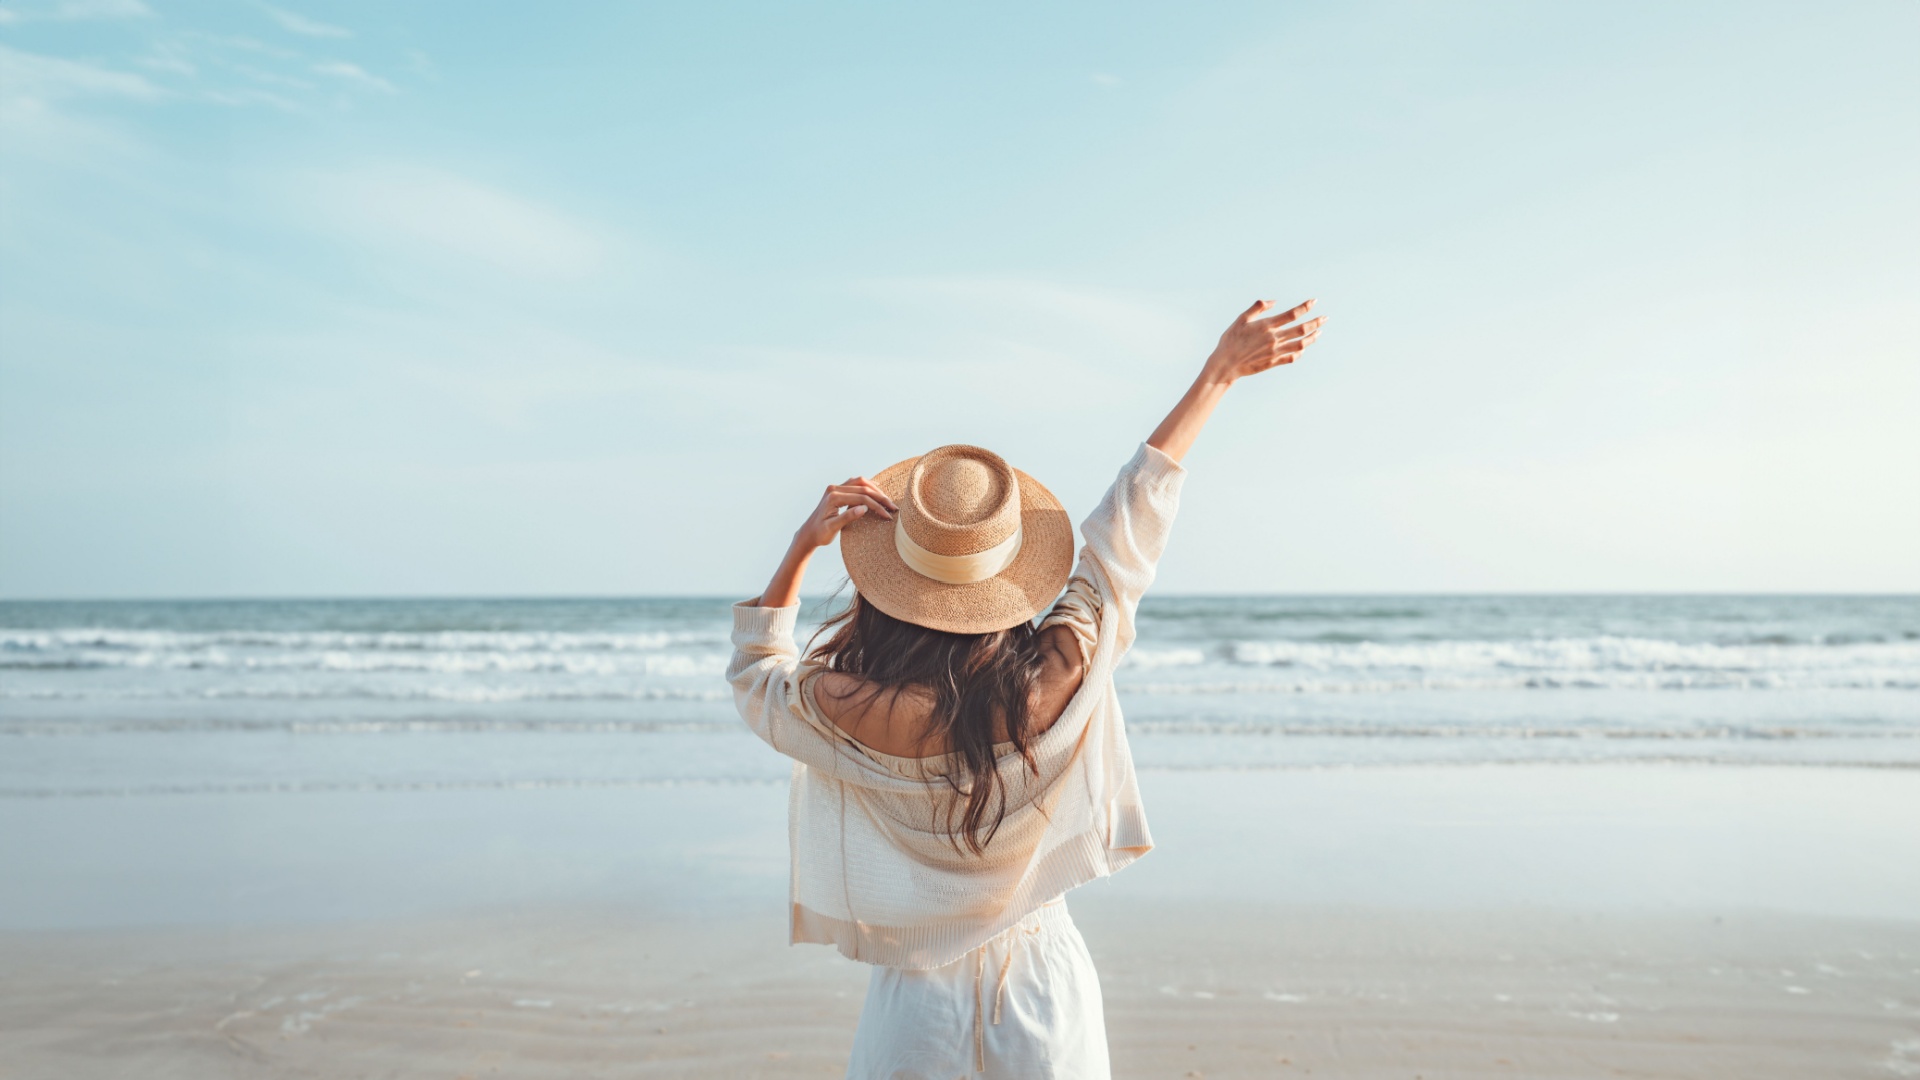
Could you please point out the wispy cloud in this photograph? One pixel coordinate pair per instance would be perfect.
(300, 24)
(355, 75)
(101, 9)
(32, 76)
(435, 213)
(186, 64)
(77, 11)
(169, 57)
(240, 71)
(244, 97)
(221, 43)
(273, 78)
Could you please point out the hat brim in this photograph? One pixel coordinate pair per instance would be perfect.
(1028, 586)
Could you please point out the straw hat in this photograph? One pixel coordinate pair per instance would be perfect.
(977, 544)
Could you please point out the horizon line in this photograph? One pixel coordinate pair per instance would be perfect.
(813, 597)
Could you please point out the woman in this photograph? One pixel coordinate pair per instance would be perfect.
(958, 768)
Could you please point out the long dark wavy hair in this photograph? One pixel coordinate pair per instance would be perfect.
(982, 686)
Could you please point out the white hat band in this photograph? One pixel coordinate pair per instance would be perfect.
(956, 569)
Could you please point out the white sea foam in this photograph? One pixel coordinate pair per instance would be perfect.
(346, 693)
(704, 652)
(91, 639)
(456, 693)
(343, 660)
(1573, 654)
(413, 726)
(1592, 663)
(313, 787)
(1180, 726)
(445, 665)
(1520, 729)
(1367, 683)
(1147, 657)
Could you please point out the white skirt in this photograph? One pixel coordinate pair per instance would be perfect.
(1025, 1004)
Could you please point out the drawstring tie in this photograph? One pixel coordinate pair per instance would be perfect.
(999, 991)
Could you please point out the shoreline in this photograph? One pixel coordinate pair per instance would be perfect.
(562, 783)
(1242, 991)
(1441, 921)
(1813, 840)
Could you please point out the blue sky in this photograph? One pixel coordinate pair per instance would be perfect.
(405, 298)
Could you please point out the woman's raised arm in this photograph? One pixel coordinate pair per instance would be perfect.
(1251, 345)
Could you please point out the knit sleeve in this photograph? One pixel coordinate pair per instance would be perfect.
(765, 676)
(1124, 539)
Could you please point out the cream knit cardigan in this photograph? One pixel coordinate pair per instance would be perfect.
(874, 871)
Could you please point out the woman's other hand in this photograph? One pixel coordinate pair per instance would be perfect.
(841, 504)
(1253, 344)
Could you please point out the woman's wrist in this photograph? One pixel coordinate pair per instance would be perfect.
(1175, 435)
(1215, 374)
(784, 589)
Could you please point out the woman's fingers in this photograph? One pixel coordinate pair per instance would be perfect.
(837, 520)
(1292, 314)
(841, 497)
(1292, 349)
(1283, 352)
(1285, 356)
(870, 492)
(870, 488)
(846, 496)
(877, 493)
(843, 504)
(1299, 344)
(1252, 344)
(1288, 333)
(1278, 344)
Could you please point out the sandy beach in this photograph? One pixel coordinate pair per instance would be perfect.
(1669, 922)
(1215, 993)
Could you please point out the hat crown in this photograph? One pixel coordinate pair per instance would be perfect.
(960, 500)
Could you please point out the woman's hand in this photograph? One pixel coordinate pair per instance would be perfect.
(842, 503)
(1253, 344)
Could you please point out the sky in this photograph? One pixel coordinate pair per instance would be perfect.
(402, 298)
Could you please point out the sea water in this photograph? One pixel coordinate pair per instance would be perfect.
(181, 697)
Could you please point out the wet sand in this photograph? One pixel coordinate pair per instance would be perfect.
(1573, 922)
(1220, 993)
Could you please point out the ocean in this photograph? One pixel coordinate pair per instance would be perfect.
(103, 699)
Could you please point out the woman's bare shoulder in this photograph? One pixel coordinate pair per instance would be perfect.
(894, 720)
(891, 720)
